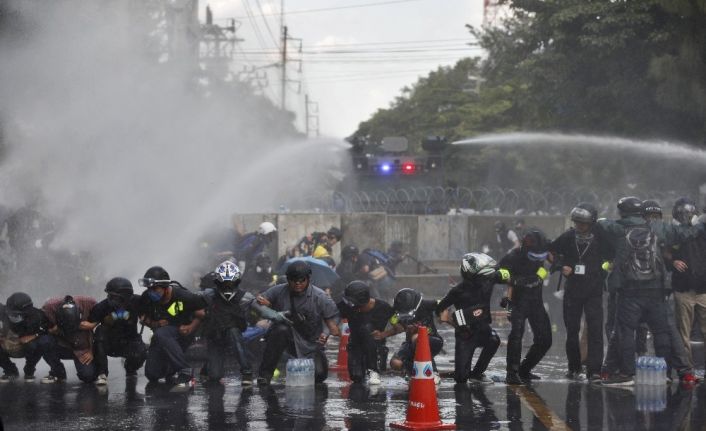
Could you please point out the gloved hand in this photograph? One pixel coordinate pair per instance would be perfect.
(504, 302)
(281, 317)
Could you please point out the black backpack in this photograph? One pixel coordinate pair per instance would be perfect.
(642, 255)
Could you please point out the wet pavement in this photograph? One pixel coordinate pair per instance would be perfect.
(552, 403)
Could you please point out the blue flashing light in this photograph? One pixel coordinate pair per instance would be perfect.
(385, 167)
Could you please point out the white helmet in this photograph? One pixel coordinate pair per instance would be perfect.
(474, 264)
(266, 228)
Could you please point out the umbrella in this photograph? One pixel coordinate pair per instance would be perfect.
(322, 275)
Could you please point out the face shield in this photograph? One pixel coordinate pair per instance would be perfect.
(406, 317)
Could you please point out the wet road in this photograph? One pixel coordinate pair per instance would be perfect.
(552, 403)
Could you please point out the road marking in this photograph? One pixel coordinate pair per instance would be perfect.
(539, 408)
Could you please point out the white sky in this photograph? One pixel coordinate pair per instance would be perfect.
(350, 91)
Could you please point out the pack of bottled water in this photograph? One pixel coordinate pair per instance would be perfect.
(650, 398)
(650, 371)
(300, 372)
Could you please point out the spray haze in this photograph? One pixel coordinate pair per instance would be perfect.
(133, 158)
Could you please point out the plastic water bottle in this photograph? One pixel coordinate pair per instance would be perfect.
(662, 375)
(640, 371)
(300, 372)
(650, 371)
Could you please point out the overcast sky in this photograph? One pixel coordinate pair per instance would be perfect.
(350, 87)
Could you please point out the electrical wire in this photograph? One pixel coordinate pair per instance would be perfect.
(328, 9)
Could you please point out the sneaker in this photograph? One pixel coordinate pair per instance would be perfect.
(263, 381)
(7, 378)
(246, 379)
(575, 376)
(619, 380)
(29, 378)
(48, 380)
(101, 380)
(594, 378)
(184, 383)
(513, 378)
(528, 376)
(480, 379)
(373, 378)
(437, 378)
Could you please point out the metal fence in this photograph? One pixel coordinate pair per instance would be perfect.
(480, 200)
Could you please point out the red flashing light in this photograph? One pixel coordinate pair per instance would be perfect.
(408, 168)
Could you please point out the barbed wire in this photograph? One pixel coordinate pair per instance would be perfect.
(479, 200)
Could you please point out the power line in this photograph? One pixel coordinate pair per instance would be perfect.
(328, 9)
(264, 19)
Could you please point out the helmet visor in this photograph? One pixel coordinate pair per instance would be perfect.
(151, 282)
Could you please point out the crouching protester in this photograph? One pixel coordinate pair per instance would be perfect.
(116, 335)
(173, 313)
(228, 311)
(308, 308)
(411, 312)
(25, 335)
(367, 320)
(471, 319)
(73, 340)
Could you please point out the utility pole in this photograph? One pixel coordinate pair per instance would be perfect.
(284, 68)
(312, 114)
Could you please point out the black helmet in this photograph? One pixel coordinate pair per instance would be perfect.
(119, 286)
(535, 244)
(356, 294)
(684, 209)
(335, 232)
(298, 270)
(68, 316)
(651, 207)
(406, 303)
(155, 276)
(263, 262)
(499, 226)
(584, 213)
(629, 206)
(349, 251)
(19, 302)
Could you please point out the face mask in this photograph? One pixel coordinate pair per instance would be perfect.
(537, 257)
(15, 317)
(154, 296)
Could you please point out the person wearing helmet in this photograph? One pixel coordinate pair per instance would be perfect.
(688, 267)
(411, 312)
(259, 277)
(29, 325)
(115, 322)
(524, 303)
(471, 319)
(253, 243)
(638, 279)
(227, 316)
(368, 319)
(312, 314)
(579, 253)
(505, 239)
(173, 313)
(74, 341)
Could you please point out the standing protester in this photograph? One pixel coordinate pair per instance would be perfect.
(371, 266)
(173, 313)
(259, 277)
(309, 309)
(639, 268)
(115, 322)
(411, 312)
(506, 239)
(227, 315)
(73, 340)
(367, 319)
(471, 320)
(30, 326)
(527, 275)
(688, 268)
(581, 252)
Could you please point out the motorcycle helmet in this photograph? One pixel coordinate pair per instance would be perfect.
(477, 264)
(227, 279)
(629, 206)
(266, 228)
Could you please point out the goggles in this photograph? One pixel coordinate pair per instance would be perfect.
(149, 283)
(408, 316)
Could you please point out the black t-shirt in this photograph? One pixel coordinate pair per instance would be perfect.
(178, 311)
(34, 322)
(520, 266)
(591, 254)
(469, 293)
(378, 317)
(115, 320)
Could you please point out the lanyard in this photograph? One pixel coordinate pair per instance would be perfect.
(579, 252)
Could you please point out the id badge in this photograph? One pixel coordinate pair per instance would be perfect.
(580, 269)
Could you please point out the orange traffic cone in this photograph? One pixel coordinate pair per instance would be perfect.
(342, 361)
(422, 410)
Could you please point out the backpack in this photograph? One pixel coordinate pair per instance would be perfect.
(642, 258)
(381, 257)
